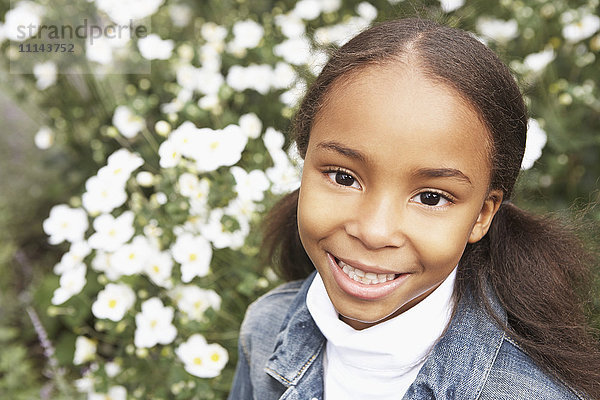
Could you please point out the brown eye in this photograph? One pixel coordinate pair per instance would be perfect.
(343, 178)
(431, 199)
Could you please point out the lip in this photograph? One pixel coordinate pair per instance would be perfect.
(364, 267)
(361, 290)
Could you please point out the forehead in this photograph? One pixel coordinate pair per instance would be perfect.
(395, 112)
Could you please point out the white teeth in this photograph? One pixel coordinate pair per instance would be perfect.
(368, 278)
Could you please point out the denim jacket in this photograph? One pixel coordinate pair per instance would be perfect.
(281, 356)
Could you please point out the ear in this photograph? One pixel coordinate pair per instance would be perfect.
(484, 220)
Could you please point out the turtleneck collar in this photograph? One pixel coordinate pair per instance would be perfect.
(380, 361)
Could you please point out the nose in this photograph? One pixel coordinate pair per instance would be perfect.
(378, 224)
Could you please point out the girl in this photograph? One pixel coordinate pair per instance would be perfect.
(429, 283)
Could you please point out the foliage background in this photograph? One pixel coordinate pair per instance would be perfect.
(563, 97)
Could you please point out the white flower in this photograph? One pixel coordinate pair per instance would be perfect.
(158, 267)
(241, 209)
(186, 77)
(152, 47)
(274, 141)
(582, 29)
(86, 383)
(220, 235)
(71, 283)
(102, 262)
(127, 122)
(145, 179)
(160, 198)
(65, 223)
(219, 148)
(208, 81)
(213, 33)
(77, 252)
(195, 189)
(112, 369)
(197, 192)
(181, 14)
(44, 138)
(536, 62)
(251, 125)
(291, 25)
(102, 195)
(246, 35)
(307, 9)
(124, 11)
(251, 185)
(296, 51)
(284, 75)
(120, 165)
(366, 11)
(339, 34)
(45, 74)
(536, 140)
(329, 6)
(113, 301)
(186, 138)
(194, 301)
(257, 77)
(187, 184)
(284, 176)
(211, 103)
(317, 61)
(114, 393)
(112, 232)
(451, 5)
(194, 254)
(23, 21)
(130, 258)
(498, 30)
(85, 350)
(169, 154)
(293, 96)
(154, 324)
(210, 58)
(100, 49)
(200, 358)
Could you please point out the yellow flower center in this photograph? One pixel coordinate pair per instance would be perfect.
(112, 303)
(215, 357)
(198, 361)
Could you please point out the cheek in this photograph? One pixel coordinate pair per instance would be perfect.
(317, 216)
(442, 243)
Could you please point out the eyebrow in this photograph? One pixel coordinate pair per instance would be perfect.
(341, 149)
(419, 173)
(442, 173)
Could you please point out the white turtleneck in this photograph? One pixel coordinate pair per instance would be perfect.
(379, 362)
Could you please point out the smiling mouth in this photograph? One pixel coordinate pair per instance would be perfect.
(367, 278)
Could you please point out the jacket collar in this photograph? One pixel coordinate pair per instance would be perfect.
(460, 362)
(457, 367)
(298, 351)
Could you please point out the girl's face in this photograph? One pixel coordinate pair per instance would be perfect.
(395, 184)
